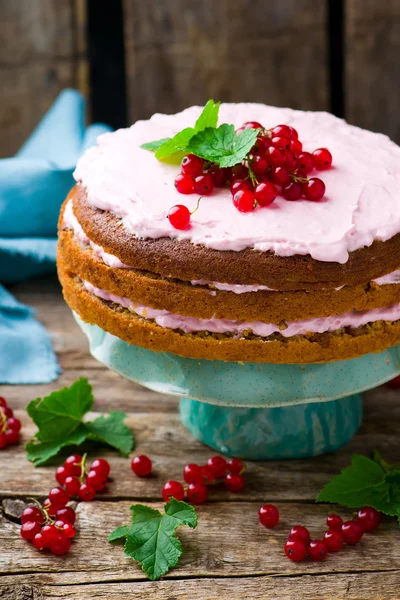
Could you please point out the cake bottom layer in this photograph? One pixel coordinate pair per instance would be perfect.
(311, 348)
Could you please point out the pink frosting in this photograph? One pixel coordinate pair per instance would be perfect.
(361, 204)
(168, 320)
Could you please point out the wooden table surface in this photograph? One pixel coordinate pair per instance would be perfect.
(229, 556)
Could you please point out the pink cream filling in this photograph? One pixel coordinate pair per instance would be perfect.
(71, 222)
(168, 320)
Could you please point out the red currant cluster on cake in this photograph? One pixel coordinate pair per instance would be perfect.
(276, 165)
(51, 525)
(10, 427)
(197, 478)
(80, 481)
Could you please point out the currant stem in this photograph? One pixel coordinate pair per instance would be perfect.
(192, 213)
(82, 465)
(3, 421)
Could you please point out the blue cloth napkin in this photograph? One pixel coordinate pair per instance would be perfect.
(33, 185)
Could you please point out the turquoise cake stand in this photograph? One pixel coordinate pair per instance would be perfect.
(255, 411)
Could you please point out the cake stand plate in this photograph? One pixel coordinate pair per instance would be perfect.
(255, 411)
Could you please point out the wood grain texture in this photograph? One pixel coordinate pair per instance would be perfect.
(182, 52)
(42, 52)
(372, 66)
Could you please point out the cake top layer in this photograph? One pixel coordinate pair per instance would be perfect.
(362, 202)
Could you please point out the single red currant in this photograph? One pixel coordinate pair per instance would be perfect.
(102, 467)
(193, 474)
(252, 125)
(68, 530)
(259, 164)
(317, 550)
(322, 159)
(29, 529)
(296, 550)
(8, 413)
(218, 465)
(173, 489)
(94, 479)
(12, 437)
(299, 532)
(192, 165)
(86, 492)
(14, 424)
(305, 162)
(296, 146)
(3, 402)
(241, 184)
(141, 465)
(61, 545)
(73, 465)
(244, 201)
(39, 542)
(234, 482)
(72, 485)
(197, 493)
(208, 474)
(67, 514)
(265, 193)
(58, 497)
(281, 142)
(292, 191)
(333, 540)
(50, 534)
(293, 133)
(334, 522)
(179, 216)
(3, 440)
(282, 131)
(32, 514)
(275, 156)
(184, 183)
(261, 146)
(61, 475)
(280, 175)
(235, 465)
(290, 161)
(314, 189)
(369, 518)
(203, 184)
(268, 515)
(352, 532)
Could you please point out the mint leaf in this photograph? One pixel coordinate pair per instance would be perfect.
(209, 116)
(59, 418)
(222, 145)
(176, 144)
(155, 145)
(151, 538)
(110, 429)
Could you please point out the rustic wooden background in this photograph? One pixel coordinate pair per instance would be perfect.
(133, 58)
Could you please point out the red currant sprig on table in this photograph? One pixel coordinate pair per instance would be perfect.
(81, 481)
(10, 427)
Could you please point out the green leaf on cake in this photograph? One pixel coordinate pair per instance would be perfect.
(222, 145)
(153, 146)
(151, 537)
(209, 116)
(176, 144)
(59, 418)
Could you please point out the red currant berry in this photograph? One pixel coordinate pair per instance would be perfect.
(305, 162)
(39, 542)
(58, 497)
(235, 465)
(239, 172)
(204, 184)
(333, 540)
(282, 131)
(73, 465)
(192, 165)
(259, 164)
(86, 492)
(12, 437)
(179, 216)
(208, 474)
(281, 142)
(293, 133)
(173, 489)
(72, 485)
(252, 125)
(241, 184)
(234, 482)
(296, 146)
(290, 161)
(299, 532)
(61, 475)
(102, 467)
(322, 159)
(3, 440)
(30, 529)
(94, 479)
(8, 413)
(3, 402)
(317, 550)
(141, 465)
(218, 465)
(68, 530)
(61, 545)
(184, 183)
(369, 518)
(197, 493)
(67, 514)
(32, 514)
(292, 191)
(275, 156)
(296, 550)
(193, 474)
(261, 146)
(14, 424)
(280, 175)
(268, 515)
(394, 384)
(352, 532)
(220, 176)
(334, 522)
(49, 508)
(50, 534)
(244, 201)
(314, 189)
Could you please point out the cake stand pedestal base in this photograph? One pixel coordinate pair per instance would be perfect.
(298, 431)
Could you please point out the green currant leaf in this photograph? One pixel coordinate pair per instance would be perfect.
(176, 144)
(209, 116)
(222, 145)
(41, 452)
(110, 429)
(155, 145)
(119, 534)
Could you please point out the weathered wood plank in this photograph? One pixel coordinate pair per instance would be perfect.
(228, 541)
(372, 68)
(40, 56)
(181, 52)
(369, 586)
